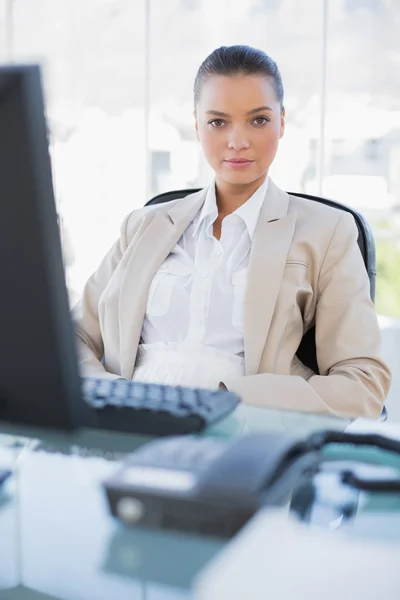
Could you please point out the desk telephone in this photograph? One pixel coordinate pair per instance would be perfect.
(207, 485)
(215, 486)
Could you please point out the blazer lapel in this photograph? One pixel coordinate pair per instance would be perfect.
(162, 229)
(270, 247)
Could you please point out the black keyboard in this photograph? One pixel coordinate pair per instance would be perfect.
(152, 409)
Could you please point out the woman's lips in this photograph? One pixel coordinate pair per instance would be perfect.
(241, 163)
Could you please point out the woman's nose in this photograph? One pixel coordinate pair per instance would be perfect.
(237, 139)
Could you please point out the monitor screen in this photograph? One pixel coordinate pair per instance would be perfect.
(39, 379)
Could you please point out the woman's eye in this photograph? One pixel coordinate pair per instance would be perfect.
(217, 123)
(261, 120)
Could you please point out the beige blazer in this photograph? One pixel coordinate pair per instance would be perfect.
(305, 267)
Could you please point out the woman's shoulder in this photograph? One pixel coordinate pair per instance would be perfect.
(133, 219)
(313, 205)
(323, 214)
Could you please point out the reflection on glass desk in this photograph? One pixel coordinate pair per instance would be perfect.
(57, 539)
(10, 451)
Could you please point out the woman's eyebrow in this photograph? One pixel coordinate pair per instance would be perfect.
(255, 110)
(218, 113)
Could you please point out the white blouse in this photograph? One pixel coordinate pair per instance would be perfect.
(196, 298)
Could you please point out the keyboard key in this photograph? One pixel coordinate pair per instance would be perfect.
(152, 409)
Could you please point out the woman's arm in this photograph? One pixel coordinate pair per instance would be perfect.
(86, 315)
(354, 381)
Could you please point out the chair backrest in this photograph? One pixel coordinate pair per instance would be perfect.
(307, 351)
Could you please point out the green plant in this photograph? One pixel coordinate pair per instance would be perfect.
(387, 299)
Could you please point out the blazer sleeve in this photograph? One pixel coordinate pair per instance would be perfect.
(353, 379)
(85, 313)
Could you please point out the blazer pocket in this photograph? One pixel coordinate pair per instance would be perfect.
(162, 285)
(239, 281)
(296, 263)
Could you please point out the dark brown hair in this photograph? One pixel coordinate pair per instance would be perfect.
(238, 60)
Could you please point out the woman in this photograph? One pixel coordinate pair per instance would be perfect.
(217, 289)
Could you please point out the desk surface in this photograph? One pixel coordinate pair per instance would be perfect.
(58, 541)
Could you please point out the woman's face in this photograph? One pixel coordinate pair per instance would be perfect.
(239, 123)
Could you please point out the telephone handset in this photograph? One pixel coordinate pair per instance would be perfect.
(207, 485)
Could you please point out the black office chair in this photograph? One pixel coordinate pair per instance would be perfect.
(307, 352)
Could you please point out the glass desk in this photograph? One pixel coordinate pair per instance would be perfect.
(58, 541)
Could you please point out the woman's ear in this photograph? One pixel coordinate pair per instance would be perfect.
(282, 131)
(196, 126)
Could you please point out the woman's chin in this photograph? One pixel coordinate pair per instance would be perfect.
(237, 178)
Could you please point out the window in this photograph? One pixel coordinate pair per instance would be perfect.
(92, 54)
(119, 77)
(4, 31)
(363, 116)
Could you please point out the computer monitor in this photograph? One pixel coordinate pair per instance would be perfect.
(39, 377)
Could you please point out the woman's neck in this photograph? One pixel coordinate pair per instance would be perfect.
(230, 196)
